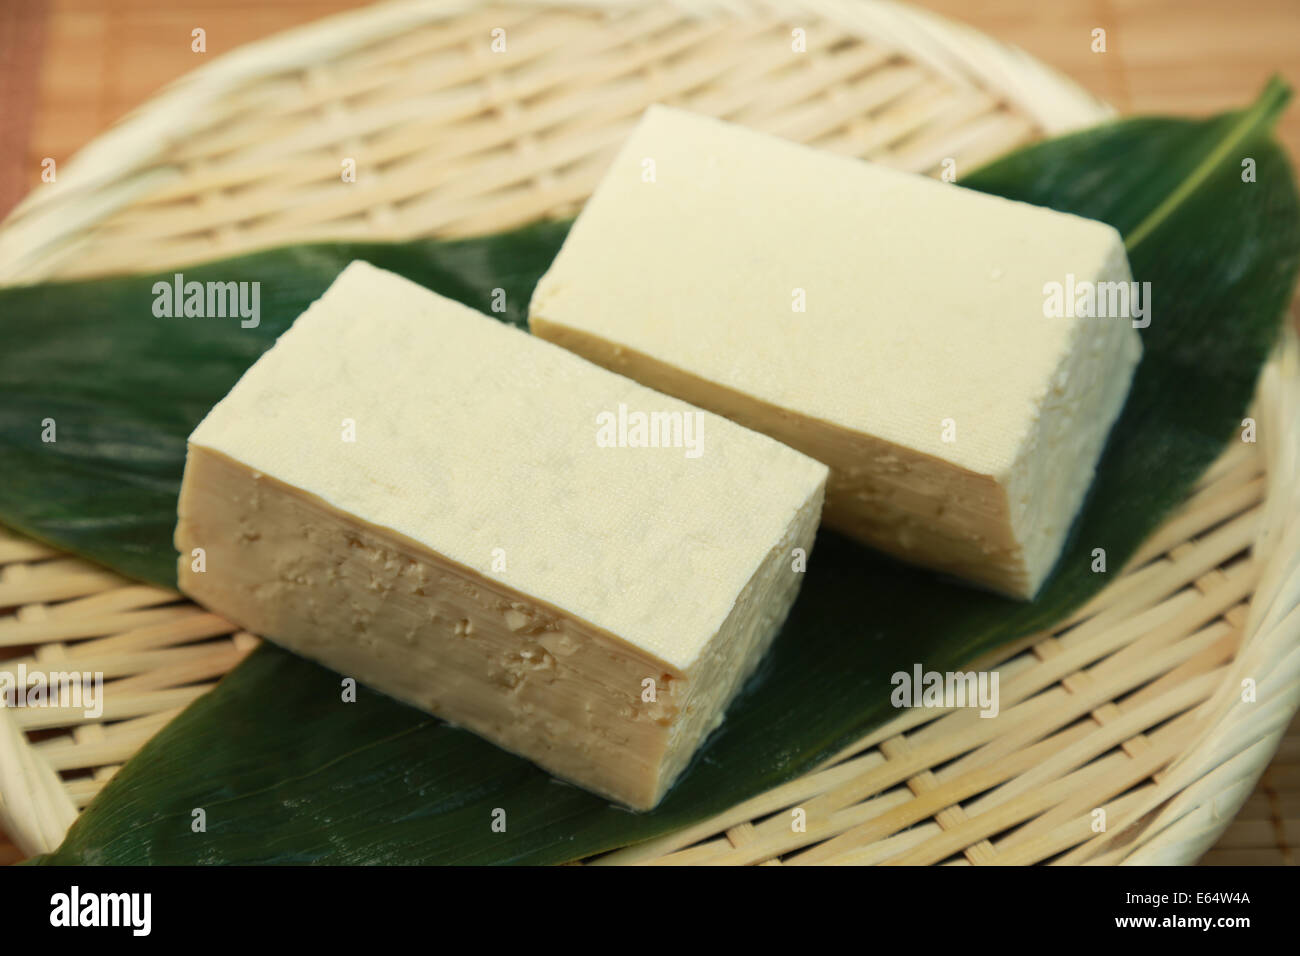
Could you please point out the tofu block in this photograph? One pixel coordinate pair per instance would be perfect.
(889, 325)
(435, 504)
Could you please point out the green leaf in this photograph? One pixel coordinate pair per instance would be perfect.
(287, 773)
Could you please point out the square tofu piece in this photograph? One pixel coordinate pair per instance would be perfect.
(889, 325)
(479, 523)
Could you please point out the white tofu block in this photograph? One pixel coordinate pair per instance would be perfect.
(427, 500)
(889, 325)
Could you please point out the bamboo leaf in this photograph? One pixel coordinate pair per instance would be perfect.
(287, 773)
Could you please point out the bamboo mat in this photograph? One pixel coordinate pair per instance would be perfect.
(1266, 830)
(93, 60)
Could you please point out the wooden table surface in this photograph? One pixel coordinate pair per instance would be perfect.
(70, 68)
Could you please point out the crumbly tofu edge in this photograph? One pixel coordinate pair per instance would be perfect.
(635, 749)
(1046, 484)
(741, 644)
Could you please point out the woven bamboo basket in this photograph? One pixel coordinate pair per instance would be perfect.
(1133, 704)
